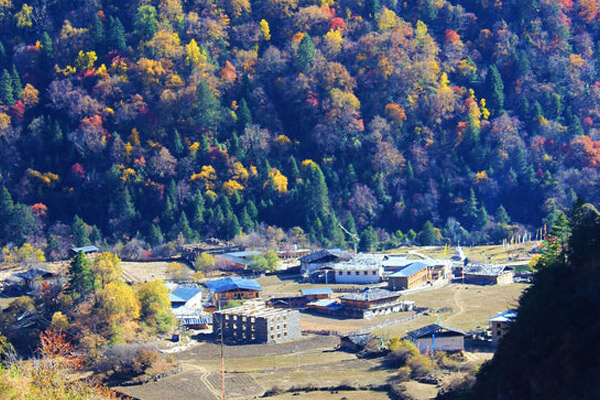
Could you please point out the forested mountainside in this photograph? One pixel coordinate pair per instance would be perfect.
(468, 120)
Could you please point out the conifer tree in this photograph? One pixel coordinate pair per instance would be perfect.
(6, 89)
(145, 21)
(97, 32)
(80, 277)
(116, 34)
(244, 115)
(47, 50)
(6, 215)
(184, 227)
(209, 108)
(156, 236)
(81, 235)
(496, 90)
(368, 240)
(16, 82)
(371, 8)
(305, 54)
(501, 216)
(427, 236)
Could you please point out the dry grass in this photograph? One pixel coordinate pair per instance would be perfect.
(144, 271)
(471, 305)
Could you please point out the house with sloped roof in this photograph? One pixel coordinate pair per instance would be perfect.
(87, 250)
(33, 278)
(233, 288)
(480, 274)
(322, 258)
(436, 337)
(500, 324)
(360, 269)
(411, 276)
(186, 295)
(316, 293)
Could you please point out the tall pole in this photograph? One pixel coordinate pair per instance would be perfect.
(222, 362)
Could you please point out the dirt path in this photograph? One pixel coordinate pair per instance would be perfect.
(459, 304)
(203, 377)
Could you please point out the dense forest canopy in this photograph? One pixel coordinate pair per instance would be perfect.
(467, 120)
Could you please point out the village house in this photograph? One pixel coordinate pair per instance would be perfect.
(319, 259)
(360, 269)
(237, 259)
(256, 323)
(478, 274)
(191, 251)
(371, 302)
(358, 343)
(186, 295)
(87, 250)
(232, 288)
(436, 337)
(34, 277)
(393, 263)
(300, 300)
(411, 276)
(500, 324)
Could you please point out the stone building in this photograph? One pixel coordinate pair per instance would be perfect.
(360, 269)
(256, 323)
(436, 337)
(479, 274)
(500, 324)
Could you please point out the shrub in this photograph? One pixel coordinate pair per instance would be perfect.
(421, 366)
(401, 351)
(404, 374)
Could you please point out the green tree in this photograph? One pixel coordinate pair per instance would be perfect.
(501, 216)
(368, 240)
(81, 280)
(209, 114)
(428, 236)
(371, 8)
(7, 208)
(272, 260)
(81, 234)
(145, 21)
(6, 89)
(305, 55)
(155, 306)
(156, 236)
(116, 34)
(16, 82)
(244, 115)
(204, 262)
(496, 90)
(97, 32)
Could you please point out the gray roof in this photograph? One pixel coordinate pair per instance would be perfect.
(235, 259)
(433, 329)
(316, 291)
(371, 294)
(324, 303)
(410, 270)
(316, 256)
(484, 270)
(33, 274)
(360, 340)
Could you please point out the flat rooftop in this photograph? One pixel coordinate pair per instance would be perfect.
(256, 309)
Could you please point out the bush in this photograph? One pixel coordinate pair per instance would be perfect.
(404, 374)
(421, 366)
(401, 351)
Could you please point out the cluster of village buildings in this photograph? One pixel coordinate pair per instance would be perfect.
(378, 283)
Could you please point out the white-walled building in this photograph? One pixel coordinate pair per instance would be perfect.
(361, 269)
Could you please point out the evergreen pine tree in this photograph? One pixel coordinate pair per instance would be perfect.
(368, 240)
(293, 173)
(471, 210)
(177, 144)
(52, 248)
(482, 218)
(97, 32)
(244, 115)
(156, 236)
(80, 277)
(47, 51)
(2, 54)
(232, 226)
(6, 89)
(496, 90)
(184, 227)
(427, 236)
(209, 114)
(16, 82)
(576, 129)
(371, 8)
(81, 235)
(145, 21)
(305, 54)
(246, 222)
(96, 236)
(7, 208)
(116, 34)
(501, 216)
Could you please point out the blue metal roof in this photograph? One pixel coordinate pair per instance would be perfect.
(316, 291)
(184, 293)
(506, 316)
(410, 270)
(85, 249)
(232, 283)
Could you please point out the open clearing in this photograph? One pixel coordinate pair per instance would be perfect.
(138, 271)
